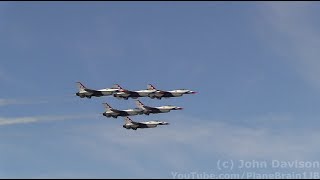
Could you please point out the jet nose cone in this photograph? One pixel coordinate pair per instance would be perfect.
(179, 108)
(104, 114)
(77, 94)
(193, 92)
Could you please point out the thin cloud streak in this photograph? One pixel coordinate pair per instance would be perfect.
(37, 100)
(212, 138)
(172, 146)
(6, 102)
(298, 36)
(27, 120)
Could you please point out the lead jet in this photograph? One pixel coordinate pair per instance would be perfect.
(155, 110)
(126, 94)
(167, 94)
(110, 112)
(86, 92)
(129, 124)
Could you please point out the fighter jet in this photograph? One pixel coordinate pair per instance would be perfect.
(125, 94)
(110, 112)
(155, 110)
(167, 94)
(85, 92)
(129, 124)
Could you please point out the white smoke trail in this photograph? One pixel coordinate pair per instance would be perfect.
(24, 120)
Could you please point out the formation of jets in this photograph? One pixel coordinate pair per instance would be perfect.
(120, 93)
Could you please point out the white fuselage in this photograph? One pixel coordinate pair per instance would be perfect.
(166, 108)
(130, 125)
(141, 93)
(160, 109)
(147, 124)
(108, 91)
(84, 92)
(128, 112)
(177, 92)
(101, 92)
(121, 94)
(145, 93)
(172, 93)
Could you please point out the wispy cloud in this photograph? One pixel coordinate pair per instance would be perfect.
(180, 146)
(188, 136)
(5, 77)
(296, 36)
(6, 102)
(36, 100)
(24, 120)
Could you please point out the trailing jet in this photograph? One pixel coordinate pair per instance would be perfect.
(167, 94)
(154, 110)
(125, 94)
(85, 92)
(110, 112)
(129, 124)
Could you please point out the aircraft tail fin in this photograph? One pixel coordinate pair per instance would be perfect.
(107, 106)
(139, 104)
(151, 87)
(81, 86)
(117, 86)
(128, 120)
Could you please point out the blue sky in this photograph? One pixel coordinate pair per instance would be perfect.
(255, 66)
